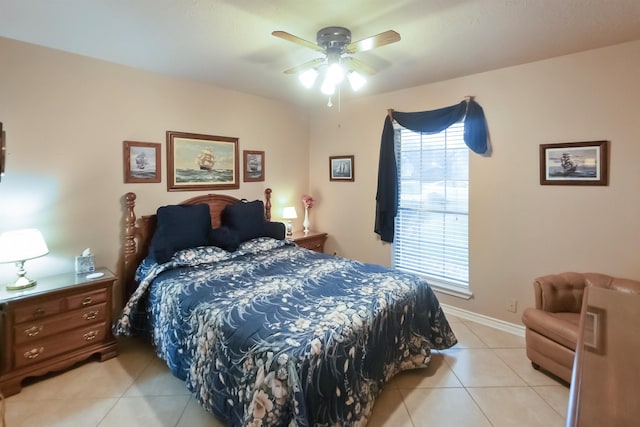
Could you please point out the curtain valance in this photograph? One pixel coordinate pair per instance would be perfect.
(434, 121)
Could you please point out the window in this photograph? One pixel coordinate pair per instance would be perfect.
(431, 236)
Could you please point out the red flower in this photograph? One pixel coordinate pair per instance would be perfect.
(308, 201)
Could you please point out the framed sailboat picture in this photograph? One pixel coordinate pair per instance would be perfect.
(253, 163)
(201, 162)
(141, 162)
(3, 149)
(341, 168)
(575, 163)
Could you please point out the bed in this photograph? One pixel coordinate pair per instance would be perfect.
(267, 333)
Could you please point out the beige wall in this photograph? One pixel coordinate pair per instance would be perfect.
(66, 117)
(518, 228)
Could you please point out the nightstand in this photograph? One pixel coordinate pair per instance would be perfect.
(313, 240)
(62, 320)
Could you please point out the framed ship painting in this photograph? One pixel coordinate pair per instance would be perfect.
(341, 168)
(141, 162)
(253, 163)
(201, 162)
(575, 163)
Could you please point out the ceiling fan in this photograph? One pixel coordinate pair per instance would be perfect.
(336, 44)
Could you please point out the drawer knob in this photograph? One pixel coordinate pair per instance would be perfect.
(39, 312)
(87, 301)
(90, 336)
(33, 331)
(33, 353)
(90, 315)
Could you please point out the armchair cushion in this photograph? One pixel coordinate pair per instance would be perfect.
(559, 327)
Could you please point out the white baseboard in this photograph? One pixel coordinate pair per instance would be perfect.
(512, 328)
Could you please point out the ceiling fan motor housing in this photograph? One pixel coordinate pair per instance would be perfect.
(334, 39)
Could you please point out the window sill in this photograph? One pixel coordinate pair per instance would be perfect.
(458, 291)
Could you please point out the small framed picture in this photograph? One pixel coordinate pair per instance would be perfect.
(341, 168)
(141, 162)
(574, 163)
(253, 163)
(3, 149)
(202, 162)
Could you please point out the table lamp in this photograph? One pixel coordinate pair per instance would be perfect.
(19, 246)
(289, 213)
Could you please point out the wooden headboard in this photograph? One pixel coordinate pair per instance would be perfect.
(138, 232)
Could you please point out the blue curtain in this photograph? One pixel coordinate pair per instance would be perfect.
(434, 121)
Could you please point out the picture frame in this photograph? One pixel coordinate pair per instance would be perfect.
(201, 162)
(575, 163)
(142, 162)
(341, 168)
(253, 165)
(3, 150)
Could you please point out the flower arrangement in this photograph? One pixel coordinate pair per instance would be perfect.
(308, 201)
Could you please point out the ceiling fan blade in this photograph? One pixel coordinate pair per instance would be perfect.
(305, 66)
(297, 40)
(356, 65)
(369, 43)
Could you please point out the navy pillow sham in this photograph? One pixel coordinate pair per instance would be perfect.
(275, 230)
(246, 219)
(179, 227)
(224, 238)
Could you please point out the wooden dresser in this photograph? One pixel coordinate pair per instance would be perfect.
(313, 240)
(60, 321)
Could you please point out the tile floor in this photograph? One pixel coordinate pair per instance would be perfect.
(485, 380)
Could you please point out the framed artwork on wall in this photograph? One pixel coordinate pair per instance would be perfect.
(341, 168)
(141, 162)
(575, 163)
(253, 165)
(3, 150)
(201, 162)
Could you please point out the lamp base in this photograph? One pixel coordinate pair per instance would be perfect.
(22, 283)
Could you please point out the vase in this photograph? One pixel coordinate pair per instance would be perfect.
(305, 223)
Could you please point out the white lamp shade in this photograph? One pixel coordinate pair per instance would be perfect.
(356, 80)
(289, 213)
(21, 245)
(308, 77)
(335, 73)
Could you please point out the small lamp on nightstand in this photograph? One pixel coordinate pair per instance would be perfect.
(19, 246)
(289, 213)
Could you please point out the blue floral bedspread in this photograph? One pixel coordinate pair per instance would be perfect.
(277, 335)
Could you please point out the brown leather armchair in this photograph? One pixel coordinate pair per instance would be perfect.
(552, 326)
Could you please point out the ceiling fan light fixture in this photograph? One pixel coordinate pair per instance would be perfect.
(328, 87)
(356, 80)
(308, 77)
(335, 73)
(335, 42)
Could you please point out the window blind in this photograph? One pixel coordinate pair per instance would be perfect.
(433, 208)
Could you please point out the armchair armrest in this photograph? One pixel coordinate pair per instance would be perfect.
(560, 292)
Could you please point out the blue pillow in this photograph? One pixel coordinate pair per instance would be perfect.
(179, 227)
(275, 230)
(244, 218)
(224, 238)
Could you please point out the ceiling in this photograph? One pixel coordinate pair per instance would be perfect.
(229, 43)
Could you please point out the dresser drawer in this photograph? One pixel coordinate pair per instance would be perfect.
(86, 299)
(38, 310)
(32, 331)
(57, 344)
